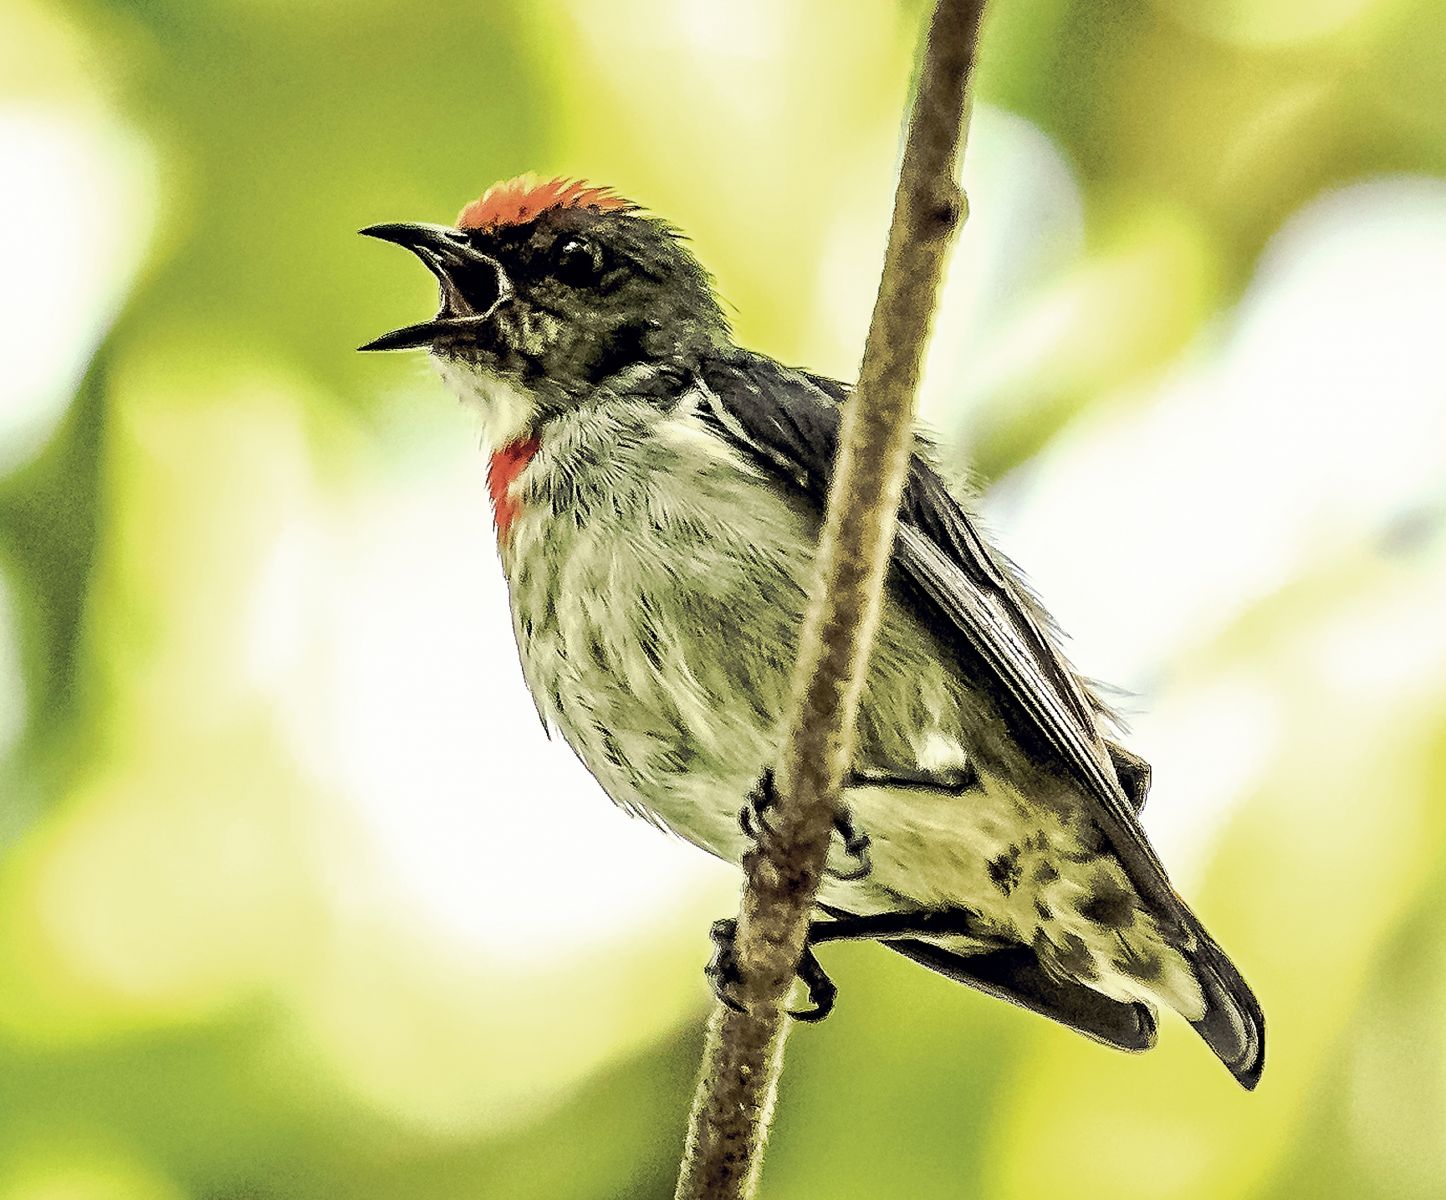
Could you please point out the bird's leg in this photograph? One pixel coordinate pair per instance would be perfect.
(752, 819)
(856, 843)
(953, 781)
(723, 975)
(883, 927)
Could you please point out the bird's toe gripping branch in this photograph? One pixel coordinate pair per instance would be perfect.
(724, 976)
(855, 844)
(753, 816)
(722, 970)
(753, 819)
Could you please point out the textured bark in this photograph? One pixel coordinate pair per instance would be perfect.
(744, 1051)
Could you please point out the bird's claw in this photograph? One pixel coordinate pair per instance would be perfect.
(752, 819)
(856, 846)
(822, 991)
(722, 970)
(724, 976)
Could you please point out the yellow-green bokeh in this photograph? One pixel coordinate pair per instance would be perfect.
(296, 901)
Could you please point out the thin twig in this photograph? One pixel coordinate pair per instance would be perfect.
(744, 1052)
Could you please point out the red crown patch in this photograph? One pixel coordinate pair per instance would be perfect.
(518, 201)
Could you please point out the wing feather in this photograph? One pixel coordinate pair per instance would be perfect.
(787, 423)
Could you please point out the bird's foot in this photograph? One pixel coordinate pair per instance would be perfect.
(855, 844)
(753, 820)
(822, 991)
(753, 816)
(722, 971)
(724, 976)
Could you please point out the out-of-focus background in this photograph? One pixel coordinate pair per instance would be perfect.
(296, 899)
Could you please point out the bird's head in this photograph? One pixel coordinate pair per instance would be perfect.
(551, 288)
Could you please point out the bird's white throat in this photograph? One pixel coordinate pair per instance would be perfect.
(505, 411)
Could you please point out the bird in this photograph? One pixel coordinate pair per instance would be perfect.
(658, 492)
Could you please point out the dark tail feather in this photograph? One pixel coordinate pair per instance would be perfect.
(1233, 1025)
(1014, 974)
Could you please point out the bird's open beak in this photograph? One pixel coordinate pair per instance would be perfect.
(472, 284)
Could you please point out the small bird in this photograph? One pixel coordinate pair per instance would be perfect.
(658, 493)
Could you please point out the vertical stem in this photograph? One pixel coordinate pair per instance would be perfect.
(744, 1052)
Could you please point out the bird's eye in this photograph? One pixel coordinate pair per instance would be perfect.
(576, 261)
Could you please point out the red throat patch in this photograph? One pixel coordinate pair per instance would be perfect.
(518, 201)
(502, 472)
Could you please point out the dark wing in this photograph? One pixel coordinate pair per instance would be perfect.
(787, 422)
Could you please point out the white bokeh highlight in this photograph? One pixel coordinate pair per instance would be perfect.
(75, 218)
(1310, 420)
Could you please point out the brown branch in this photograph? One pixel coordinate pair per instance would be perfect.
(744, 1052)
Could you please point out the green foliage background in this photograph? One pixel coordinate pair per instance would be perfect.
(209, 984)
